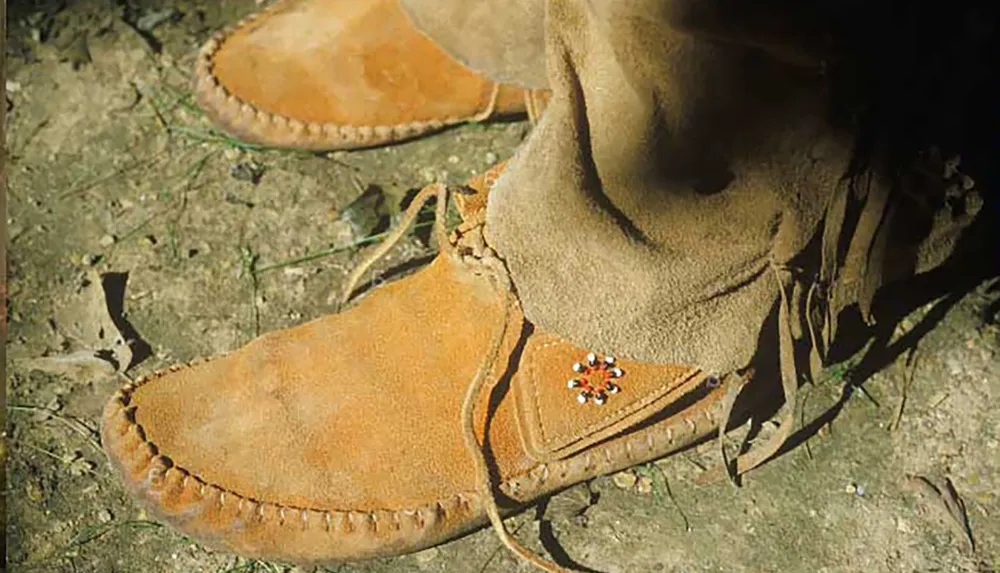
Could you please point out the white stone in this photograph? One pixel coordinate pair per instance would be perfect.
(624, 480)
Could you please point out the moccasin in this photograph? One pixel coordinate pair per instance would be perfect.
(341, 74)
(422, 412)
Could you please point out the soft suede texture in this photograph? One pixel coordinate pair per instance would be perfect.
(647, 389)
(341, 438)
(501, 39)
(349, 62)
(671, 178)
(681, 174)
(344, 411)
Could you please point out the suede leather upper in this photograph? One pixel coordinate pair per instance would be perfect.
(501, 39)
(347, 410)
(324, 74)
(341, 439)
(347, 62)
(676, 176)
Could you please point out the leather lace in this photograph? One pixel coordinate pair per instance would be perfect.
(788, 323)
(752, 458)
(500, 280)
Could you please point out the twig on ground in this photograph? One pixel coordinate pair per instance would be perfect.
(911, 368)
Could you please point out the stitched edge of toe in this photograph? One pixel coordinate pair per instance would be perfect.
(161, 481)
(255, 124)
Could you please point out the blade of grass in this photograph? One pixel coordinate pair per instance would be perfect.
(72, 423)
(190, 175)
(117, 172)
(454, 219)
(84, 536)
(212, 136)
(331, 251)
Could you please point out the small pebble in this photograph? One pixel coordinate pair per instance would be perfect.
(107, 240)
(644, 486)
(104, 516)
(453, 159)
(491, 157)
(90, 259)
(250, 171)
(851, 488)
(624, 480)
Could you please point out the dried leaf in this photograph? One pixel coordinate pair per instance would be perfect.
(364, 216)
(95, 324)
(569, 504)
(942, 500)
(83, 364)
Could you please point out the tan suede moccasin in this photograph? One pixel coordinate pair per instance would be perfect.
(426, 410)
(341, 74)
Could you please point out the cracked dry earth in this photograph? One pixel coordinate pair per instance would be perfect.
(113, 171)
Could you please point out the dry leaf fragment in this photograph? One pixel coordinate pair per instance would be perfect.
(96, 323)
(943, 501)
(82, 364)
(569, 504)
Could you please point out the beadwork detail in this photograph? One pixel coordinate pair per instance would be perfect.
(596, 379)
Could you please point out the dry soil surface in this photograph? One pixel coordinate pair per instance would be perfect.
(113, 170)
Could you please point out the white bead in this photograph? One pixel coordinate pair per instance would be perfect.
(609, 360)
(577, 367)
(612, 389)
(591, 358)
(617, 372)
(600, 399)
(573, 383)
(582, 398)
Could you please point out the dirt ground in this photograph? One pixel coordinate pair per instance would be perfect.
(113, 170)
